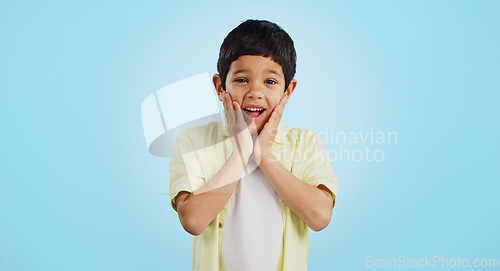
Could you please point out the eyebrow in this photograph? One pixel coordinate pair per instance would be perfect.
(269, 71)
(274, 72)
(240, 71)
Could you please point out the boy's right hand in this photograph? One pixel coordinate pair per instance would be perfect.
(238, 129)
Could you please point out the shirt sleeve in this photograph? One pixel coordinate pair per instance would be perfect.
(185, 169)
(317, 166)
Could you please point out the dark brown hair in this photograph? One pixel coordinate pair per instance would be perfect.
(261, 38)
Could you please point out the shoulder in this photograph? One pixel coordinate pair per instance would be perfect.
(292, 134)
(201, 130)
(200, 136)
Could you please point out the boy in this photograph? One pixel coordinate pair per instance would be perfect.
(248, 187)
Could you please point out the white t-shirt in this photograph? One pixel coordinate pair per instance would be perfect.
(252, 238)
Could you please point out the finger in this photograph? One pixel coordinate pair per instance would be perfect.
(276, 115)
(225, 101)
(281, 107)
(229, 109)
(240, 111)
(229, 101)
(238, 114)
(283, 100)
(276, 118)
(280, 111)
(237, 107)
(271, 127)
(231, 106)
(282, 104)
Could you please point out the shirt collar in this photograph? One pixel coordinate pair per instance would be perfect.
(280, 135)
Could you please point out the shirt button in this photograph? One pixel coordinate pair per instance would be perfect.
(220, 225)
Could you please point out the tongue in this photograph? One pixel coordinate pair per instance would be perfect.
(254, 114)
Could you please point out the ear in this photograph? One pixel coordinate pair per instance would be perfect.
(218, 86)
(291, 87)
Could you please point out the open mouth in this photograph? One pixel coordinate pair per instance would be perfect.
(254, 112)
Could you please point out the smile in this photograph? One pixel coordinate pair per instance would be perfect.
(254, 113)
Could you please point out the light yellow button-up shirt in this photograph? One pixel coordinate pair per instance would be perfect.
(200, 152)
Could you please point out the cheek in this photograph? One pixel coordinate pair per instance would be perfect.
(236, 96)
(273, 101)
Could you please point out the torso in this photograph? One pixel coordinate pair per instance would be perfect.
(252, 237)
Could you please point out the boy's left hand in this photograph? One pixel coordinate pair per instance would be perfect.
(264, 142)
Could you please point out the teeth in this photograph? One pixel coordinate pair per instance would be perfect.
(254, 109)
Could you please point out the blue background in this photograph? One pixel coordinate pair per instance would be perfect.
(79, 191)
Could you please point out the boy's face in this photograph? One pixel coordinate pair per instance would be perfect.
(257, 83)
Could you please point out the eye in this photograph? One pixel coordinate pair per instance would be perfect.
(271, 82)
(240, 80)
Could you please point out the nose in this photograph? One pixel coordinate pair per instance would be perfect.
(255, 91)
